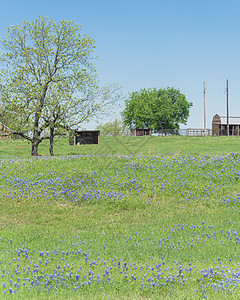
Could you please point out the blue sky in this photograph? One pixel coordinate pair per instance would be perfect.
(155, 43)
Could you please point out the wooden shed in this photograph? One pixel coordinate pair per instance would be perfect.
(140, 132)
(219, 125)
(77, 137)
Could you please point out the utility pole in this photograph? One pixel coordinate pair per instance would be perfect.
(227, 111)
(204, 99)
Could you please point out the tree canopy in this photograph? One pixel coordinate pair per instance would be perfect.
(156, 109)
(48, 79)
(112, 128)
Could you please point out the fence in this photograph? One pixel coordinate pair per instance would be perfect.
(184, 132)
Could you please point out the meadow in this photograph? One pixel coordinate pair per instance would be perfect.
(130, 218)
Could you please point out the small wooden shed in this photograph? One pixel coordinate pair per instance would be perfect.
(219, 125)
(140, 132)
(83, 137)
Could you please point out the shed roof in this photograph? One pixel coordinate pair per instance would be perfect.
(86, 130)
(233, 119)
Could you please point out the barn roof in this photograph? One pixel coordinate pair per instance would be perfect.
(233, 119)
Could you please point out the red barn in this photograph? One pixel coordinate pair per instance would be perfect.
(219, 125)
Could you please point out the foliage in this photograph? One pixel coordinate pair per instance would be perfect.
(113, 128)
(156, 109)
(48, 79)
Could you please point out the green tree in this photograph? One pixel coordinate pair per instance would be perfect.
(64, 112)
(113, 128)
(47, 78)
(156, 109)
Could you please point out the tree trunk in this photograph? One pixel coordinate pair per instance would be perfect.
(51, 141)
(35, 144)
(36, 132)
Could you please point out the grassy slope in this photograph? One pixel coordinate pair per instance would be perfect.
(40, 223)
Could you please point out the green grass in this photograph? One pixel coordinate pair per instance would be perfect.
(131, 218)
(148, 145)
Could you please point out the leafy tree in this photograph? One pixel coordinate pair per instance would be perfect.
(48, 79)
(112, 128)
(63, 113)
(156, 109)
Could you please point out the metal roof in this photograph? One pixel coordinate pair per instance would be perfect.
(233, 119)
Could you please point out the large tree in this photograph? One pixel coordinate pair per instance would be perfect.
(156, 109)
(47, 79)
(68, 109)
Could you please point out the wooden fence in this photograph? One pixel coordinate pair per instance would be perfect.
(184, 132)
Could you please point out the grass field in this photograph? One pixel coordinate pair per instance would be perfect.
(152, 145)
(130, 218)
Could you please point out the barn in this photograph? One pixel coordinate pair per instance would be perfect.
(77, 137)
(219, 125)
(140, 132)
